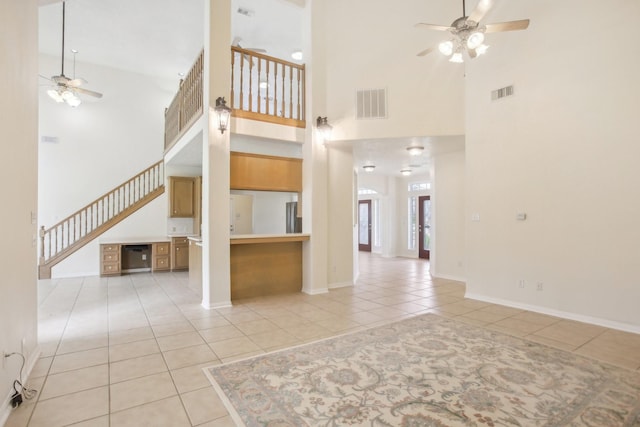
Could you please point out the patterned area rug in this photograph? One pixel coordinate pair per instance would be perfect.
(427, 371)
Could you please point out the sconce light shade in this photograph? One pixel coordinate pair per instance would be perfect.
(324, 128)
(224, 114)
(369, 168)
(405, 172)
(415, 150)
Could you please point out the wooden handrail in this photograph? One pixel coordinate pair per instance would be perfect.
(266, 88)
(79, 228)
(186, 106)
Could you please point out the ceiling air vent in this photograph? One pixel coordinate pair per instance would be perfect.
(502, 92)
(371, 104)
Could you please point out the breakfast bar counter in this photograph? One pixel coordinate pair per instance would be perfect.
(266, 264)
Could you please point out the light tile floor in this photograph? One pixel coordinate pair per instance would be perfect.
(129, 350)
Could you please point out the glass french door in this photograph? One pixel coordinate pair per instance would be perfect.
(424, 226)
(364, 225)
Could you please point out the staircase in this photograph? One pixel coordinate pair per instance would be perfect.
(84, 225)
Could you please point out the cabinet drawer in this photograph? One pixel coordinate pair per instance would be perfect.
(179, 240)
(161, 248)
(161, 262)
(110, 256)
(110, 268)
(110, 248)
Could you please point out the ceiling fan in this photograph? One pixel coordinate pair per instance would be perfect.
(66, 89)
(468, 33)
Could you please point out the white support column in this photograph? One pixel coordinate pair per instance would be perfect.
(216, 276)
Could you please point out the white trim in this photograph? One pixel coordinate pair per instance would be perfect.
(224, 304)
(559, 313)
(316, 291)
(448, 277)
(5, 409)
(340, 285)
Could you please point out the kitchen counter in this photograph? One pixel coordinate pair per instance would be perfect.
(134, 240)
(266, 264)
(244, 239)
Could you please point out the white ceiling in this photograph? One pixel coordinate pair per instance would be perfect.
(162, 38)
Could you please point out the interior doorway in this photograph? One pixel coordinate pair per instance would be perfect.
(424, 226)
(364, 225)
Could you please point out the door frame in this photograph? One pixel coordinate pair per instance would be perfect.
(365, 247)
(422, 252)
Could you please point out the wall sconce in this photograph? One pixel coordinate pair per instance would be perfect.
(405, 172)
(415, 150)
(324, 128)
(369, 168)
(223, 112)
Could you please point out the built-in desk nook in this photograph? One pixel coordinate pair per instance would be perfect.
(266, 264)
(130, 255)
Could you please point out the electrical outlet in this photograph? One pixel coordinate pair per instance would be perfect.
(521, 283)
(540, 286)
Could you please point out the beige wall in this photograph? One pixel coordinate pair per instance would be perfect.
(372, 44)
(19, 117)
(564, 150)
(448, 238)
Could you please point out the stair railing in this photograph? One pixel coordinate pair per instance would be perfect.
(82, 226)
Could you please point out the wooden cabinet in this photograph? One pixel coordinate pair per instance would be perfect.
(267, 173)
(161, 259)
(179, 253)
(181, 197)
(110, 260)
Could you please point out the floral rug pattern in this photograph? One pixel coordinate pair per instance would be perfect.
(427, 371)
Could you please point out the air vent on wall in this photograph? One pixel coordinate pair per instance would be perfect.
(502, 92)
(371, 104)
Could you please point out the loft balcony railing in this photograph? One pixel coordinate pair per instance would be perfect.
(186, 106)
(266, 88)
(263, 88)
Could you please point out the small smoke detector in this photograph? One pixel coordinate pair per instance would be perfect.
(245, 11)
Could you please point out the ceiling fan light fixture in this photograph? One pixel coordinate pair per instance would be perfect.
(55, 95)
(297, 55)
(73, 101)
(475, 39)
(446, 48)
(482, 49)
(369, 168)
(457, 58)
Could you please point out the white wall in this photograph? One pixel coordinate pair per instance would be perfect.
(101, 144)
(448, 239)
(372, 44)
(340, 213)
(19, 117)
(564, 150)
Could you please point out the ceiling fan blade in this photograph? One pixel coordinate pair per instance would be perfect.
(77, 82)
(426, 51)
(87, 92)
(507, 26)
(480, 11)
(432, 26)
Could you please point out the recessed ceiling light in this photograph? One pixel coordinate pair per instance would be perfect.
(297, 55)
(415, 150)
(369, 168)
(405, 172)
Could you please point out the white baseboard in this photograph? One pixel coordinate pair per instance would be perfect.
(315, 291)
(559, 313)
(340, 285)
(224, 304)
(449, 277)
(5, 409)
